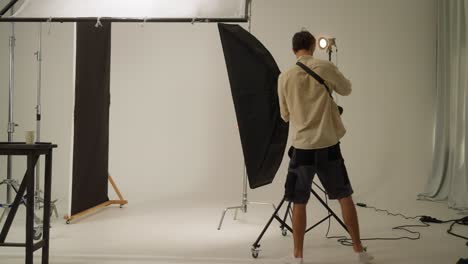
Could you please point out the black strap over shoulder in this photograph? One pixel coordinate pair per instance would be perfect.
(315, 75)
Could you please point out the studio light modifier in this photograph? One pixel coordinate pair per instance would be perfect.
(323, 43)
(326, 43)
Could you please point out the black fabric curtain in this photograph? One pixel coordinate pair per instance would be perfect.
(91, 127)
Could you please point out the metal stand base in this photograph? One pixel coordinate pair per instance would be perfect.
(39, 201)
(245, 203)
(243, 208)
(255, 250)
(39, 204)
(10, 184)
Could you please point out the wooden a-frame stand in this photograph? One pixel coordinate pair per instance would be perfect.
(121, 202)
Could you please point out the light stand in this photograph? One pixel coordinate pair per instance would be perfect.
(285, 227)
(38, 55)
(38, 198)
(245, 201)
(10, 182)
(244, 205)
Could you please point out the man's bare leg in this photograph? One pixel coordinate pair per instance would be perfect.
(299, 225)
(351, 220)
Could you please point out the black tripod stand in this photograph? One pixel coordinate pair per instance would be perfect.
(284, 226)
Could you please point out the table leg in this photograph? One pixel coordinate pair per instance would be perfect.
(47, 198)
(30, 210)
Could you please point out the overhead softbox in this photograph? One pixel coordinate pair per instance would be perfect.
(253, 75)
(151, 9)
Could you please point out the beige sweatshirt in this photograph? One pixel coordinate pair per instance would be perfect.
(305, 103)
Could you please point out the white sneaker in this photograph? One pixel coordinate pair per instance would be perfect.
(365, 258)
(293, 260)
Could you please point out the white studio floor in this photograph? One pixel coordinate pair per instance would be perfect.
(186, 232)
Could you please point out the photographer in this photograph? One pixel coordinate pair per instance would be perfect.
(316, 131)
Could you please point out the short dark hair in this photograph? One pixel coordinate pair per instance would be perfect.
(303, 40)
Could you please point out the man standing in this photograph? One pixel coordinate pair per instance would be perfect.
(316, 130)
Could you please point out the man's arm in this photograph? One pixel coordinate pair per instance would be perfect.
(284, 111)
(336, 80)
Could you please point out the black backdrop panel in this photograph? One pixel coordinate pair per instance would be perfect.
(253, 75)
(92, 101)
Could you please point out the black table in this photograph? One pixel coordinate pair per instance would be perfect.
(33, 152)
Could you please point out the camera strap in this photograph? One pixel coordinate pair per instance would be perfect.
(315, 75)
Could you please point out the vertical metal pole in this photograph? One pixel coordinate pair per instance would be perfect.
(245, 200)
(38, 106)
(249, 6)
(11, 123)
(244, 192)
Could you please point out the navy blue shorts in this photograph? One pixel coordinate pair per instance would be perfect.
(327, 163)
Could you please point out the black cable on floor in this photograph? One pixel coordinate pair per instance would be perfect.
(464, 222)
(422, 218)
(345, 241)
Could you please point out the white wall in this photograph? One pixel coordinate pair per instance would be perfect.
(173, 129)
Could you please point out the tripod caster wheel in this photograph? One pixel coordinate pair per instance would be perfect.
(121, 206)
(255, 253)
(68, 222)
(37, 234)
(284, 232)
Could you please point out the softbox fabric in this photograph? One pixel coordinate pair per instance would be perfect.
(253, 75)
(132, 9)
(91, 124)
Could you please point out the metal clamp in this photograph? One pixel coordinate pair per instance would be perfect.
(12, 41)
(11, 127)
(38, 56)
(98, 23)
(144, 22)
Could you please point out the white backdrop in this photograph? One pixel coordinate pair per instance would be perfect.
(173, 132)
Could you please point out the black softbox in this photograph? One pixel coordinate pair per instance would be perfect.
(253, 75)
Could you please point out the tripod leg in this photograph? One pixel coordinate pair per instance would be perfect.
(330, 211)
(55, 210)
(284, 232)
(224, 214)
(235, 215)
(290, 214)
(275, 214)
(222, 219)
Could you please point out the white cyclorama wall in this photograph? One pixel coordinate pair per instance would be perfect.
(173, 131)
